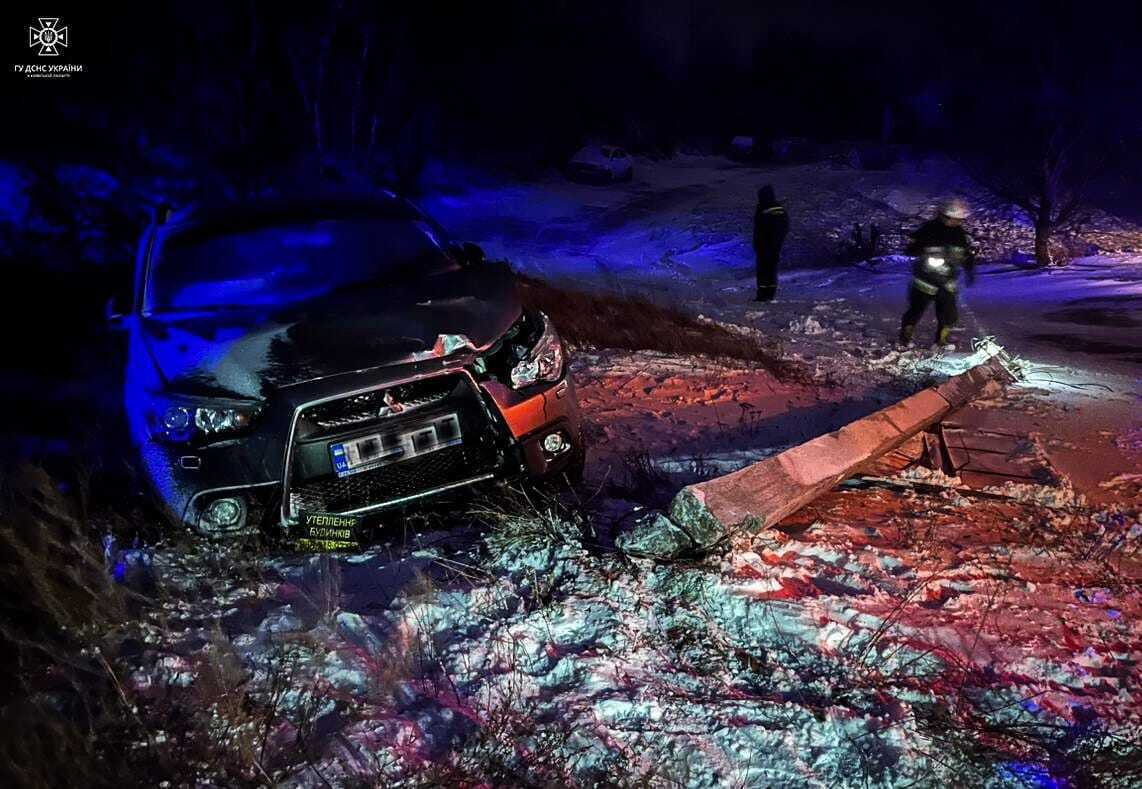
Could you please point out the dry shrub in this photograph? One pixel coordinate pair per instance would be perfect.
(321, 586)
(640, 479)
(59, 602)
(52, 573)
(611, 321)
(226, 727)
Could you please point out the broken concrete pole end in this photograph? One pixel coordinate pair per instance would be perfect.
(655, 536)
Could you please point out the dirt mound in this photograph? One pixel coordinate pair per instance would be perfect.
(606, 321)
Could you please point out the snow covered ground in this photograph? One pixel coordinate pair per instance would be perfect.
(878, 637)
(680, 232)
(875, 639)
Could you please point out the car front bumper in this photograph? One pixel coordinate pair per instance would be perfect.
(276, 471)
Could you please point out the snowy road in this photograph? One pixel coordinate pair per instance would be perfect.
(679, 234)
(1087, 316)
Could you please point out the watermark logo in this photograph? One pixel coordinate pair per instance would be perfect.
(49, 37)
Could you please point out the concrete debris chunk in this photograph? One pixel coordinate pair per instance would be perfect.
(655, 536)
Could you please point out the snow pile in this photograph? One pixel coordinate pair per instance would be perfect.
(806, 325)
(930, 476)
(1061, 496)
(865, 636)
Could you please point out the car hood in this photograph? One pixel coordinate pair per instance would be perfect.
(248, 354)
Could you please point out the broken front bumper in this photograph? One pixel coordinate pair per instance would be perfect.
(284, 467)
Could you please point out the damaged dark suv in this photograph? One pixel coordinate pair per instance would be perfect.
(335, 356)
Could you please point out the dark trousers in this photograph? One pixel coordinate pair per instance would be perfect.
(767, 273)
(918, 301)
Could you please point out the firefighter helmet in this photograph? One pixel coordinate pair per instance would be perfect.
(955, 209)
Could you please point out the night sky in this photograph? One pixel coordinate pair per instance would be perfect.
(228, 81)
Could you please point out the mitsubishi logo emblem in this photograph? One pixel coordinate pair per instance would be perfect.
(49, 37)
(392, 405)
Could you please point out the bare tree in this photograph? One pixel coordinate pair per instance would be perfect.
(1045, 124)
(342, 65)
(310, 76)
(1047, 180)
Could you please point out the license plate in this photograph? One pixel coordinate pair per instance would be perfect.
(321, 531)
(369, 452)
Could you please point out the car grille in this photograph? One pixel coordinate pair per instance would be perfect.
(312, 484)
(389, 483)
(370, 407)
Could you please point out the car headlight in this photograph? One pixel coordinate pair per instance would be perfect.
(543, 361)
(181, 421)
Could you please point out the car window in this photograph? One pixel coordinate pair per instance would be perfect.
(618, 153)
(275, 264)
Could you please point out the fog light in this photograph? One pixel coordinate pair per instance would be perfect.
(554, 443)
(222, 514)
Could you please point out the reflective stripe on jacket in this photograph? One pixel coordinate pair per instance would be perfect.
(924, 286)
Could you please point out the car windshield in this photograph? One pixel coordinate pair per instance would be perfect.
(287, 262)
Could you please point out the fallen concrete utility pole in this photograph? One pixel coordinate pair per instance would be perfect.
(760, 495)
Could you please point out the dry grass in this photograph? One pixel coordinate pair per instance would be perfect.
(68, 715)
(58, 602)
(52, 573)
(639, 479)
(606, 321)
(71, 717)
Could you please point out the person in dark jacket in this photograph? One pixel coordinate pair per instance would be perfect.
(942, 248)
(770, 226)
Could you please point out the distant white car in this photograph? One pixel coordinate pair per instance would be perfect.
(742, 148)
(601, 164)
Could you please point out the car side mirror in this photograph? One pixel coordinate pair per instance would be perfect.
(475, 254)
(470, 255)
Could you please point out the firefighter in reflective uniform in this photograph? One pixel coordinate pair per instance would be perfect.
(770, 226)
(942, 247)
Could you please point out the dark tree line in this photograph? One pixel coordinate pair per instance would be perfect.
(1055, 108)
(1035, 97)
